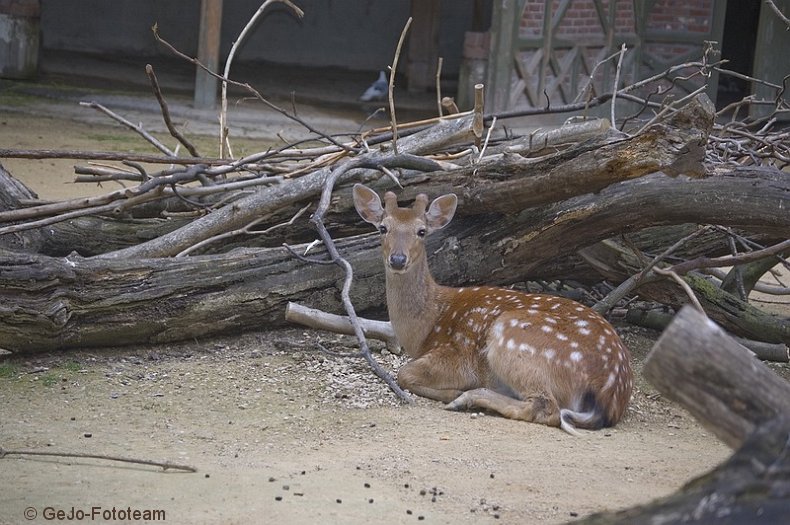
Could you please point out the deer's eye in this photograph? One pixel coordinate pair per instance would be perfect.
(422, 232)
(382, 229)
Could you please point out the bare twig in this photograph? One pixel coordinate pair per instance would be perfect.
(249, 88)
(587, 90)
(683, 284)
(779, 13)
(616, 295)
(439, 87)
(223, 115)
(616, 86)
(102, 155)
(245, 230)
(162, 464)
(317, 221)
(715, 262)
(138, 128)
(391, 96)
(149, 70)
(488, 137)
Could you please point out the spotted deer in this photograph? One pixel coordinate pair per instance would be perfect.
(531, 357)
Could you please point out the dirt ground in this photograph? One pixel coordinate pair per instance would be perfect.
(280, 433)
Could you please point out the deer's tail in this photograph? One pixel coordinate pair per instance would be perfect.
(587, 413)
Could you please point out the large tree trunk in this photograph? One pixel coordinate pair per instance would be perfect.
(49, 303)
(741, 401)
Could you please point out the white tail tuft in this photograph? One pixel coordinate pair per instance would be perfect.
(570, 418)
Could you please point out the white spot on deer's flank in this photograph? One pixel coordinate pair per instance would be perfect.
(498, 330)
(562, 337)
(549, 353)
(581, 323)
(513, 323)
(547, 329)
(609, 381)
(584, 331)
(524, 347)
(511, 344)
(576, 357)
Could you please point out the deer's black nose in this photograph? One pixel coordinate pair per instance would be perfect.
(398, 261)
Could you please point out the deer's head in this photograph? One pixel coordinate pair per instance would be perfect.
(403, 230)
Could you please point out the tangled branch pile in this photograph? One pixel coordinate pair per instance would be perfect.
(196, 248)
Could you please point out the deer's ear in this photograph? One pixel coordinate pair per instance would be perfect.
(368, 204)
(441, 211)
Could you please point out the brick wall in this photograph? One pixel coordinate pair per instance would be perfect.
(28, 8)
(581, 18)
(580, 32)
(691, 16)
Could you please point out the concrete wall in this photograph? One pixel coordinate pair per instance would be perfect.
(353, 34)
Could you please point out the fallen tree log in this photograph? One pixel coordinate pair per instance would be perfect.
(738, 317)
(658, 320)
(742, 402)
(50, 303)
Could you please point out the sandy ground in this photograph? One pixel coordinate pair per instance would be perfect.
(282, 434)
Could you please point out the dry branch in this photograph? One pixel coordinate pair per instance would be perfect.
(270, 199)
(659, 320)
(103, 155)
(738, 317)
(138, 128)
(391, 86)
(381, 330)
(149, 70)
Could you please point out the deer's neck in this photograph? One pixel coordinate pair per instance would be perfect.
(415, 303)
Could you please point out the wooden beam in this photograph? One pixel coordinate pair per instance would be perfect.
(208, 53)
(504, 29)
(423, 44)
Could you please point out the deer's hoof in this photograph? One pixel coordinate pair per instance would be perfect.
(461, 402)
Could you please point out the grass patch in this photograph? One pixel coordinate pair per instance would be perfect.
(73, 366)
(12, 99)
(7, 371)
(49, 379)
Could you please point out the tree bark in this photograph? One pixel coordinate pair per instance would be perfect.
(696, 364)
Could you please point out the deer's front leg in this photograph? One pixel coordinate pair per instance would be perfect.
(438, 375)
(537, 408)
